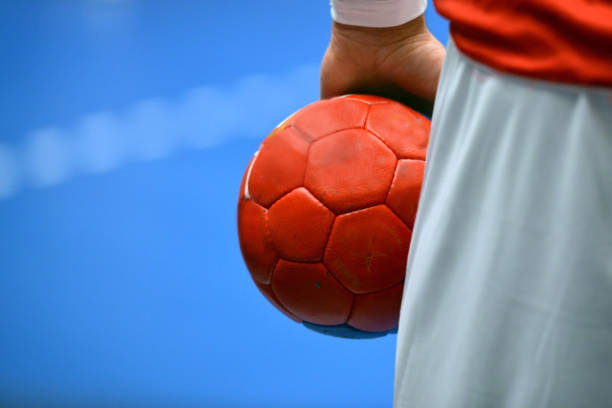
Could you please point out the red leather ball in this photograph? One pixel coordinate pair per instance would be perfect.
(326, 211)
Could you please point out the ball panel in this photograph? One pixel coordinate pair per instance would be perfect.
(350, 169)
(402, 129)
(279, 166)
(268, 293)
(299, 226)
(255, 244)
(379, 311)
(310, 292)
(403, 197)
(327, 116)
(367, 249)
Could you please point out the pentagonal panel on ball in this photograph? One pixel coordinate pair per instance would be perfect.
(349, 170)
(401, 128)
(310, 292)
(367, 249)
(299, 225)
(257, 250)
(327, 116)
(278, 167)
(378, 311)
(403, 197)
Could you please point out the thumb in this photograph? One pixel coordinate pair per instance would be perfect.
(334, 78)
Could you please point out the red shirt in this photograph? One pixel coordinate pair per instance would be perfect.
(556, 40)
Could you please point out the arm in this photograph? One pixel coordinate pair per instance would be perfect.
(400, 61)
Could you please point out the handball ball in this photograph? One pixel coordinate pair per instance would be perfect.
(326, 211)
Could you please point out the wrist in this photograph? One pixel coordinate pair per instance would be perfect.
(378, 36)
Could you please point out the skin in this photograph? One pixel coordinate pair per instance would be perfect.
(401, 63)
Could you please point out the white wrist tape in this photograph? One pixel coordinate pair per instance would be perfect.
(376, 13)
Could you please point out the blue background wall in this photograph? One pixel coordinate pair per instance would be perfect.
(125, 127)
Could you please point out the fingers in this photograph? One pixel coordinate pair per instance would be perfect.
(333, 85)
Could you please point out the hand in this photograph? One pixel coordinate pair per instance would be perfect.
(401, 63)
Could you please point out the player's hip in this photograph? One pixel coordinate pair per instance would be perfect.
(507, 301)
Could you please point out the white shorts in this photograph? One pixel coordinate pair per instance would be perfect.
(508, 296)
